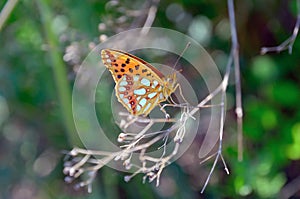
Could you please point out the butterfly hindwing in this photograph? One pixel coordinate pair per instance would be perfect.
(138, 94)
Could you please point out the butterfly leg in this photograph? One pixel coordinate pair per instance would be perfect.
(162, 108)
(181, 94)
(170, 100)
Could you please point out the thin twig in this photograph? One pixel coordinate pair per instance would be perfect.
(150, 17)
(223, 87)
(6, 11)
(238, 92)
(290, 189)
(288, 43)
(233, 59)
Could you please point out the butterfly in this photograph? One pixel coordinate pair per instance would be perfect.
(140, 87)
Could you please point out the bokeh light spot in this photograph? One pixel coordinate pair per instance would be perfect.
(268, 119)
(223, 29)
(264, 68)
(60, 24)
(200, 29)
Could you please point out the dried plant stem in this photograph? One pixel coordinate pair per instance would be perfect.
(238, 92)
(150, 17)
(287, 44)
(6, 11)
(222, 88)
(59, 70)
(80, 158)
(290, 189)
(233, 59)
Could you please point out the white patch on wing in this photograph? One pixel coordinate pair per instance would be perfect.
(125, 100)
(151, 95)
(143, 102)
(136, 78)
(154, 83)
(138, 107)
(121, 95)
(140, 91)
(124, 77)
(123, 83)
(121, 89)
(145, 82)
(147, 107)
(161, 96)
(156, 100)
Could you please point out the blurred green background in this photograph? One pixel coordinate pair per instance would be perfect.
(42, 45)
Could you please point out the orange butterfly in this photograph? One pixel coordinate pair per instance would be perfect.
(139, 86)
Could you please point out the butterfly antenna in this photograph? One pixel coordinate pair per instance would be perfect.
(186, 47)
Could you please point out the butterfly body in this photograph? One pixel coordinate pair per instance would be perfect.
(140, 87)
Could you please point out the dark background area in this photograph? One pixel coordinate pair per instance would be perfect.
(44, 42)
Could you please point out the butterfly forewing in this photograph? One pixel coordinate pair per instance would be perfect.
(139, 85)
(120, 63)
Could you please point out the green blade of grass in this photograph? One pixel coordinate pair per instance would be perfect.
(60, 73)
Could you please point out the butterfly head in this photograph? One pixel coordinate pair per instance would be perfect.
(170, 84)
